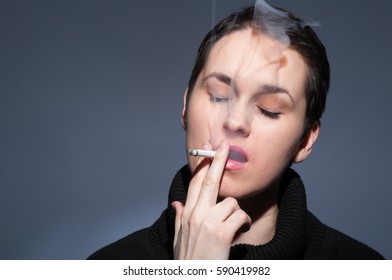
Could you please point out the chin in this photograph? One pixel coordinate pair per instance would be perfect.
(237, 192)
(242, 190)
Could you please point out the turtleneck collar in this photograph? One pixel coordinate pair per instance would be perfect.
(290, 233)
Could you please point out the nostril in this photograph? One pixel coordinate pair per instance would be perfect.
(238, 131)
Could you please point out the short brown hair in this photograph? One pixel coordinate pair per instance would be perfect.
(302, 39)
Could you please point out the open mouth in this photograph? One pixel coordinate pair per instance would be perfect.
(237, 154)
(237, 158)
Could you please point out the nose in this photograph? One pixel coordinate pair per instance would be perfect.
(237, 122)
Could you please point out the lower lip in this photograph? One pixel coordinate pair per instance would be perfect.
(234, 165)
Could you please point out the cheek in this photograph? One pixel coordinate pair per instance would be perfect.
(197, 133)
(276, 145)
(196, 126)
(200, 119)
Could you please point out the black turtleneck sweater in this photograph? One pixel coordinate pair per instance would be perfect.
(298, 234)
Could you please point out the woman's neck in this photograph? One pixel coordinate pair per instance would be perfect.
(263, 210)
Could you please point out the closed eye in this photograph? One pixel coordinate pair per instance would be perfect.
(216, 99)
(269, 114)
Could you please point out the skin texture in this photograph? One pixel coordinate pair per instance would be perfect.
(249, 97)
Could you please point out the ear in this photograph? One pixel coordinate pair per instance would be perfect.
(306, 146)
(184, 110)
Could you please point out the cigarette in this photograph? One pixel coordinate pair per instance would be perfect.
(202, 153)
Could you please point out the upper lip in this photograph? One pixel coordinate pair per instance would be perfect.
(236, 153)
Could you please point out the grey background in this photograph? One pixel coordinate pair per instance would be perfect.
(90, 105)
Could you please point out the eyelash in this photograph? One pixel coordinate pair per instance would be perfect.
(216, 99)
(268, 114)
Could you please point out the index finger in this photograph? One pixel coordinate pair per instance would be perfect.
(197, 180)
(210, 187)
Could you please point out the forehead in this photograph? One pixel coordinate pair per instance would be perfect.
(252, 59)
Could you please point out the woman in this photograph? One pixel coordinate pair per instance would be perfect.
(255, 97)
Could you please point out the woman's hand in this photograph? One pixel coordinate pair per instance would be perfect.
(205, 229)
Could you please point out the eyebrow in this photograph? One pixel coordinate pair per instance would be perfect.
(271, 89)
(222, 78)
(264, 89)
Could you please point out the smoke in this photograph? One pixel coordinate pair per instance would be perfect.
(273, 22)
(276, 23)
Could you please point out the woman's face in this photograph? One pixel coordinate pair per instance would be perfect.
(251, 93)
